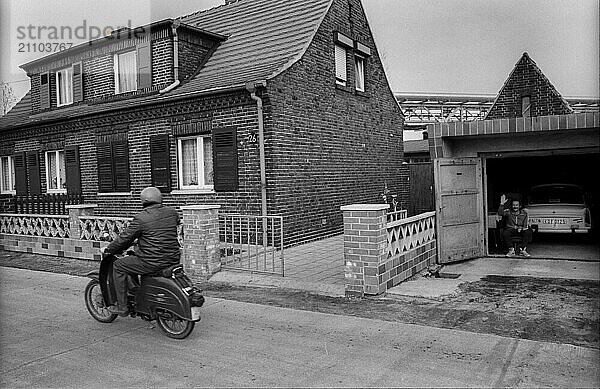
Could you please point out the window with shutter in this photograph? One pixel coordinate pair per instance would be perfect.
(126, 72)
(55, 171)
(195, 162)
(72, 169)
(113, 166)
(225, 159)
(20, 174)
(340, 65)
(160, 163)
(33, 171)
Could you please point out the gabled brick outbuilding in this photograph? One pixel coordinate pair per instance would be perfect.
(530, 136)
(300, 79)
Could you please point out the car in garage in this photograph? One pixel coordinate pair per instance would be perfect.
(559, 208)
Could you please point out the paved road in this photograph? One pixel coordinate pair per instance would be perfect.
(49, 340)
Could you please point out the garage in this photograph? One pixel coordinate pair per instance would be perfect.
(476, 162)
(515, 176)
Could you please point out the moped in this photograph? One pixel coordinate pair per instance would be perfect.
(169, 297)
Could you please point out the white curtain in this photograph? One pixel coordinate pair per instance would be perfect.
(65, 86)
(5, 174)
(360, 73)
(61, 170)
(127, 72)
(189, 163)
(52, 182)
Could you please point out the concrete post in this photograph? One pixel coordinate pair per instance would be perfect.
(75, 211)
(365, 247)
(201, 255)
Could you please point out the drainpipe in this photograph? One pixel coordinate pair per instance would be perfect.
(175, 83)
(251, 87)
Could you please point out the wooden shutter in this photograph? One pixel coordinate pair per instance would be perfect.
(20, 174)
(144, 64)
(105, 167)
(33, 171)
(45, 90)
(225, 159)
(77, 82)
(160, 162)
(72, 170)
(120, 152)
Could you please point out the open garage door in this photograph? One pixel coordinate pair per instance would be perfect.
(459, 208)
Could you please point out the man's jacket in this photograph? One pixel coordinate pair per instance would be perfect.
(155, 228)
(514, 220)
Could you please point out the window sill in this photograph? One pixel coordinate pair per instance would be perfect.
(8, 193)
(114, 193)
(361, 93)
(193, 191)
(56, 192)
(343, 88)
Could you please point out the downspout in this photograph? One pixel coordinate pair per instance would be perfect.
(175, 83)
(251, 87)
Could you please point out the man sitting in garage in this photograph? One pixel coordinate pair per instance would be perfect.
(516, 231)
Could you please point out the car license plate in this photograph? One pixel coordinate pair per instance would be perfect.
(195, 313)
(546, 221)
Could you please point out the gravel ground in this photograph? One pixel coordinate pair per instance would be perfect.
(542, 309)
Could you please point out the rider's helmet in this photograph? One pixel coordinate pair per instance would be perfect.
(151, 195)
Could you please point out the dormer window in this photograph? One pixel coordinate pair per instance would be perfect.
(126, 72)
(64, 86)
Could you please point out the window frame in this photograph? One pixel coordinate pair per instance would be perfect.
(526, 110)
(338, 66)
(362, 60)
(117, 74)
(69, 71)
(47, 171)
(199, 162)
(11, 175)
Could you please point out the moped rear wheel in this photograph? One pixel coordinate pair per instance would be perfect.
(94, 302)
(174, 326)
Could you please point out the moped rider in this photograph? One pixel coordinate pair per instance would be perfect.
(155, 229)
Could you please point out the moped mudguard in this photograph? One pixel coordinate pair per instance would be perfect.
(94, 275)
(161, 293)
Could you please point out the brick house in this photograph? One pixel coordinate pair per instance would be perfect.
(262, 107)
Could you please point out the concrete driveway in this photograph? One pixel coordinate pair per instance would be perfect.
(49, 340)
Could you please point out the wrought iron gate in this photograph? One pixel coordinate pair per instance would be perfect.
(252, 243)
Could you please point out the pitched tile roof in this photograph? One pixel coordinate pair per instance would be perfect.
(265, 37)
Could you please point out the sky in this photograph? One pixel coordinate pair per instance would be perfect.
(435, 46)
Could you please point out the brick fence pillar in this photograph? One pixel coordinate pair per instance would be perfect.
(75, 211)
(365, 247)
(201, 256)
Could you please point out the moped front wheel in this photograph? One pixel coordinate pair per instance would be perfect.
(174, 326)
(94, 302)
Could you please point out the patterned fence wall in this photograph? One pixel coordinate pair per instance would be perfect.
(35, 225)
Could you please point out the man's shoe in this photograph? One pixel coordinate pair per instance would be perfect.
(511, 252)
(118, 310)
(524, 253)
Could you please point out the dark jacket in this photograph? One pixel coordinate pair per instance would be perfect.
(155, 228)
(514, 220)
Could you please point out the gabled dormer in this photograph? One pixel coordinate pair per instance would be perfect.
(126, 63)
(527, 92)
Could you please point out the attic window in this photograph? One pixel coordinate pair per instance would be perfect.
(525, 106)
(125, 72)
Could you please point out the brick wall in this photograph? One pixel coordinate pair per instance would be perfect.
(331, 146)
(527, 79)
(192, 52)
(162, 62)
(98, 77)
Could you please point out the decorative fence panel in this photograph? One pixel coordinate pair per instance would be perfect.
(102, 228)
(50, 204)
(252, 243)
(406, 234)
(35, 225)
